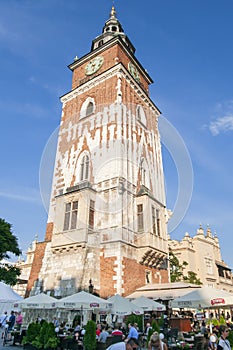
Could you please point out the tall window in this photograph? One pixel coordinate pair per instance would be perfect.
(158, 222)
(143, 171)
(153, 220)
(140, 217)
(90, 108)
(91, 214)
(84, 171)
(140, 114)
(209, 266)
(148, 277)
(71, 214)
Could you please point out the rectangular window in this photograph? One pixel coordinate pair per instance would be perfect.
(74, 215)
(153, 220)
(71, 214)
(209, 266)
(91, 214)
(140, 217)
(158, 222)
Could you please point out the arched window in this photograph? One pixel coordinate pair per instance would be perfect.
(84, 168)
(140, 114)
(90, 108)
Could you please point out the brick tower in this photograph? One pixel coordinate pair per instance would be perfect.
(107, 219)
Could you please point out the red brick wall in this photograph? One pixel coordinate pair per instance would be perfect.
(112, 56)
(36, 266)
(49, 232)
(106, 276)
(133, 276)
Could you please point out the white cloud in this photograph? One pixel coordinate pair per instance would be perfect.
(222, 124)
(21, 194)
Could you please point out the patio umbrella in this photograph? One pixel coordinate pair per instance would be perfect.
(9, 299)
(148, 304)
(204, 297)
(82, 300)
(39, 301)
(122, 306)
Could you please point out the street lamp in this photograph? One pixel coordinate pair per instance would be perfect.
(91, 287)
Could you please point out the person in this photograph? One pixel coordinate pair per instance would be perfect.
(116, 330)
(103, 336)
(203, 328)
(130, 344)
(98, 330)
(3, 321)
(155, 342)
(223, 342)
(212, 344)
(55, 322)
(19, 320)
(11, 321)
(146, 332)
(133, 333)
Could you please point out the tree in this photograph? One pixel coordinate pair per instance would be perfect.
(192, 278)
(90, 336)
(8, 244)
(177, 271)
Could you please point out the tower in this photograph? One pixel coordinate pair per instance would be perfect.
(107, 218)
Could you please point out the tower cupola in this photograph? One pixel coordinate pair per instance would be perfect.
(111, 29)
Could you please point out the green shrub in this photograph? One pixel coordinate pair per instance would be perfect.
(230, 338)
(90, 336)
(41, 335)
(135, 319)
(31, 333)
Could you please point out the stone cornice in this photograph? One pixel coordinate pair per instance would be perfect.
(114, 71)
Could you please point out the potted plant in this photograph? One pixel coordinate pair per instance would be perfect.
(90, 336)
(31, 334)
(40, 336)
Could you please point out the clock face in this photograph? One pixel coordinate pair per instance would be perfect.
(134, 72)
(94, 65)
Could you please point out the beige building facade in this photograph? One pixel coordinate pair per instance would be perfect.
(203, 255)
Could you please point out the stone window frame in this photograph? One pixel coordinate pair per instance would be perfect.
(84, 109)
(84, 167)
(141, 115)
(70, 215)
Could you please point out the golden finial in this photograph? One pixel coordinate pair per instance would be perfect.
(113, 11)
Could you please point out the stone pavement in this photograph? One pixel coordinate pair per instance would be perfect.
(9, 346)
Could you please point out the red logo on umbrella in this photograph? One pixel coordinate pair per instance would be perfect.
(94, 305)
(217, 301)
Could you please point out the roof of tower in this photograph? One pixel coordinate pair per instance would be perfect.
(111, 29)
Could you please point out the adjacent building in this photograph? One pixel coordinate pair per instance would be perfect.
(203, 255)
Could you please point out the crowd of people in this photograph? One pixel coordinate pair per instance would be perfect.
(128, 337)
(10, 322)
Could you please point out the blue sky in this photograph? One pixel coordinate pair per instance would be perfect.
(185, 45)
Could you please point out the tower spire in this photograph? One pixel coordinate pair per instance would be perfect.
(112, 29)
